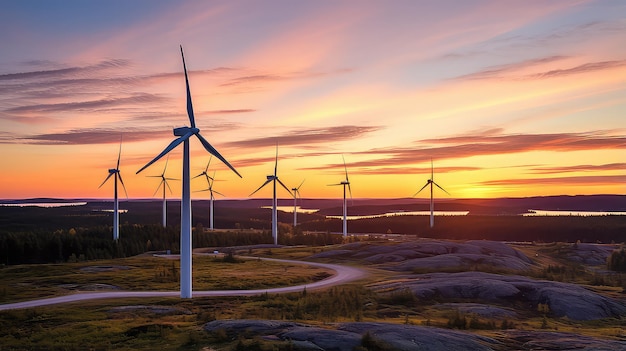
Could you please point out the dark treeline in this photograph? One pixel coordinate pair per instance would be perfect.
(605, 229)
(82, 244)
(617, 261)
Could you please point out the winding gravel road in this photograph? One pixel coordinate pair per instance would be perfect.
(343, 274)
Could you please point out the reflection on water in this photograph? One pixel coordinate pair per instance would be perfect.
(405, 213)
(45, 204)
(118, 211)
(572, 213)
(290, 209)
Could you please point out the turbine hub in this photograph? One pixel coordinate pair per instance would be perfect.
(184, 130)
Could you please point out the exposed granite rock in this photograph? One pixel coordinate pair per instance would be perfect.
(346, 336)
(564, 299)
(590, 254)
(538, 340)
(433, 254)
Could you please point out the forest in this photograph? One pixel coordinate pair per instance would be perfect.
(62, 234)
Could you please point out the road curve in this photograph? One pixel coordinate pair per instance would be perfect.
(343, 274)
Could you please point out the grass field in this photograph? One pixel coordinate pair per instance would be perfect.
(174, 324)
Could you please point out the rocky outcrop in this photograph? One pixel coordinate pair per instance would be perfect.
(347, 336)
(563, 299)
(433, 255)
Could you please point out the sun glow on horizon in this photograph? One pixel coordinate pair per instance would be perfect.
(508, 101)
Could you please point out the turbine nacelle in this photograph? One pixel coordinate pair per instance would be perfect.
(182, 131)
(113, 170)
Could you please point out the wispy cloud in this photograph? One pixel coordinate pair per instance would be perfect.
(580, 168)
(519, 70)
(94, 105)
(457, 147)
(64, 72)
(307, 136)
(562, 181)
(508, 69)
(93, 136)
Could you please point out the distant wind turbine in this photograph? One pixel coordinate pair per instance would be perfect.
(296, 193)
(345, 203)
(116, 208)
(184, 134)
(273, 179)
(431, 182)
(163, 182)
(210, 189)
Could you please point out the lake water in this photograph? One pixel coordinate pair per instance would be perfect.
(572, 213)
(290, 209)
(405, 213)
(44, 204)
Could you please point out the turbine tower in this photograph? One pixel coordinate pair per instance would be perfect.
(210, 181)
(431, 182)
(345, 203)
(296, 193)
(184, 134)
(116, 208)
(273, 179)
(163, 182)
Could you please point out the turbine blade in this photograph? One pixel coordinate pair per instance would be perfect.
(335, 184)
(432, 170)
(169, 148)
(441, 188)
(264, 184)
(217, 192)
(168, 186)
(350, 191)
(122, 181)
(199, 175)
(165, 168)
(345, 167)
(276, 162)
(214, 152)
(189, 105)
(298, 188)
(119, 155)
(105, 180)
(284, 186)
(419, 191)
(208, 163)
(157, 189)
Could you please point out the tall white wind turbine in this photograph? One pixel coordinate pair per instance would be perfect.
(184, 134)
(116, 207)
(345, 183)
(210, 189)
(296, 194)
(163, 182)
(431, 182)
(273, 179)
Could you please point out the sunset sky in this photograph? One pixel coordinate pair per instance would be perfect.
(508, 98)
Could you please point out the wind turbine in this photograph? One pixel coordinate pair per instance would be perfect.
(431, 182)
(116, 208)
(296, 193)
(210, 181)
(273, 179)
(184, 134)
(345, 203)
(163, 182)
